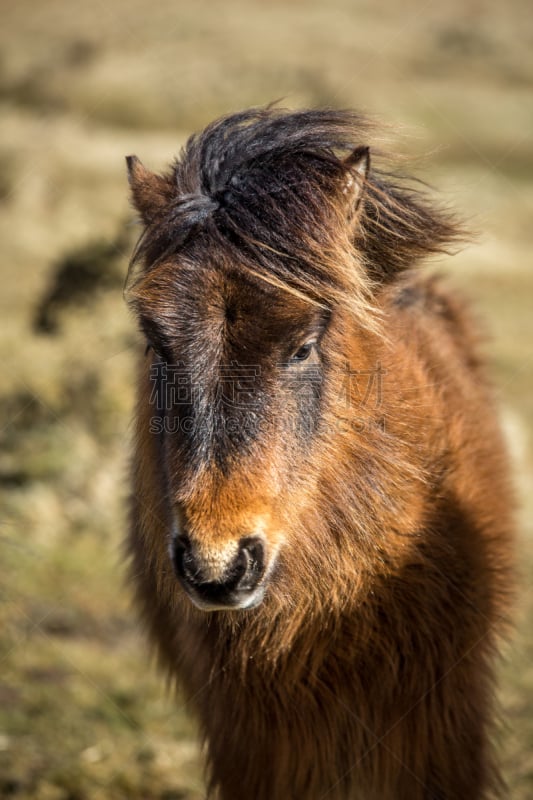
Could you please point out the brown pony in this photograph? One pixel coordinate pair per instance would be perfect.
(320, 529)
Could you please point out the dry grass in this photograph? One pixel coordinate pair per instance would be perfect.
(81, 85)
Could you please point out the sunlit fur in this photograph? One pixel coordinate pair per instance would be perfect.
(366, 672)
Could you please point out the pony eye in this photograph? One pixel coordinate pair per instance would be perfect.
(303, 352)
(159, 354)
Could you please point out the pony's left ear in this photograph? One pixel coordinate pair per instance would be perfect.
(357, 165)
(150, 193)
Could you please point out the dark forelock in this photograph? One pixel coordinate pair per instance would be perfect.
(264, 186)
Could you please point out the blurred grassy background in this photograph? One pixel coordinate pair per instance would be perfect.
(82, 715)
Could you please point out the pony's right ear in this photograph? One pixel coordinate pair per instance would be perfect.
(357, 166)
(150, 193)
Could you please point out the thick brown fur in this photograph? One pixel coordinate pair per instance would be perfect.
(366, 673)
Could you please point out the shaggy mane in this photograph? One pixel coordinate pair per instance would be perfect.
(264, 188)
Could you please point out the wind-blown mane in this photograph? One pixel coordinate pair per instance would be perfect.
(265, 187)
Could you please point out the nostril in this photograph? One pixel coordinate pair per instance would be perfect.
(252, 552)
(182, 556)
